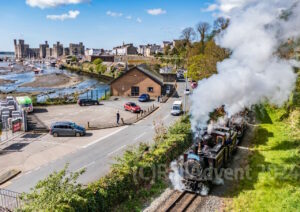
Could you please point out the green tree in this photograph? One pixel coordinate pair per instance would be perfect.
(98, 61)
(204, 65)
(201, 66)
(91, 69)
(166, 50)
(58, 192)
(100, 69)
(74, 59)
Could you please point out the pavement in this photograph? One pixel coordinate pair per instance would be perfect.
(98, 154)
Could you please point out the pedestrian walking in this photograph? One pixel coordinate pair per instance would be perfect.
(158, 98)
(118, 117)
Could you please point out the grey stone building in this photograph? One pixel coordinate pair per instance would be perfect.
(76, 49)
(21, 49)
(58, 50)
(125, 49)
(43, 48)
(49, 52)
(66, 51)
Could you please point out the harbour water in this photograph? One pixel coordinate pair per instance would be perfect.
(88, 87)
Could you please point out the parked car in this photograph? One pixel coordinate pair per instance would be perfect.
(144, 98)
(131, 106)
(67, 129)
(187, 91)
(194, 84)
(177, 108)
(84, 102)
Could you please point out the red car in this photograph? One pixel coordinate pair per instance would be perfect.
(194, 84)
(131, 106)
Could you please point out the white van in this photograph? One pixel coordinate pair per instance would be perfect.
(177, 108)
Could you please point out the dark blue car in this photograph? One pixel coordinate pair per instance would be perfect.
(144, 98)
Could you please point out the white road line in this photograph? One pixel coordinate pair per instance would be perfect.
(167, 116)
(102, 138)
(113, 152)
(86, 166)
(140, 136)
(28, 172)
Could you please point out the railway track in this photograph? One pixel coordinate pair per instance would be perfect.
(182, 202)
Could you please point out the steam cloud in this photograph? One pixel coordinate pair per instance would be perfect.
(253, 73)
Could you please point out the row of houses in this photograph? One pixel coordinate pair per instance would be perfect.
(129, 49)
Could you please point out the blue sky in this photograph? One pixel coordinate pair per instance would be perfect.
(98, 23)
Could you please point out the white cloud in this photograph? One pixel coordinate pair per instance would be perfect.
(114, 14)
(70, 15)
(157, 11)
(129, 17)
(211, 8)
(52, 3)
(139, 20)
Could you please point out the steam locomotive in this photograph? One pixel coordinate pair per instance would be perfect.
(209, 154)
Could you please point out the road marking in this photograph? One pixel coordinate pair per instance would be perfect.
(167, 116)
(28, 172)
(86, 166)
(109, 154)
(140, 136)
(102, 138)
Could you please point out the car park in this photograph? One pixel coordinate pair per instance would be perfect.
(131, 106)
(67, 129)
(84, 102)
(144, 98)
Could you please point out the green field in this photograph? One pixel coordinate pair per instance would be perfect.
(275, 164)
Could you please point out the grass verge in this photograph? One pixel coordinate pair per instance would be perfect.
(275, 164)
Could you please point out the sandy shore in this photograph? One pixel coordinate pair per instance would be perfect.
(5, 81)
(56, 80)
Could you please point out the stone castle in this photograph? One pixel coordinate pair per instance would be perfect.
(23, 50)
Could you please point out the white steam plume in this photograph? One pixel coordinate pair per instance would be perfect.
(253, 73)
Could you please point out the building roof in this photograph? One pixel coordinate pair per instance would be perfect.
(154, 76)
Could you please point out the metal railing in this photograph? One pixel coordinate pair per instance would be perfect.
(9, 200)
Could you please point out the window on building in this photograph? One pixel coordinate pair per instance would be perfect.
(135, 91)
(150, 89)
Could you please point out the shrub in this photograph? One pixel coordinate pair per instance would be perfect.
(123, 182)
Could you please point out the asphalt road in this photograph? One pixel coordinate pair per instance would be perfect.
(97, 156)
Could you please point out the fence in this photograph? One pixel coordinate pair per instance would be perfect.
(139, 116)
(9, 200)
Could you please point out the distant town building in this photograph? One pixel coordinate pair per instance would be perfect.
(142, 49)
(76, 49)
(34, 52)
(166, 44)
(94, 52)
(48, 53)
(58, 50)
(125, 49)
(66, 51)
(150, 49)
(21, 49)
(43, 48)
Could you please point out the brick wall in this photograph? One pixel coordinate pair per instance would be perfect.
(122, 86)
